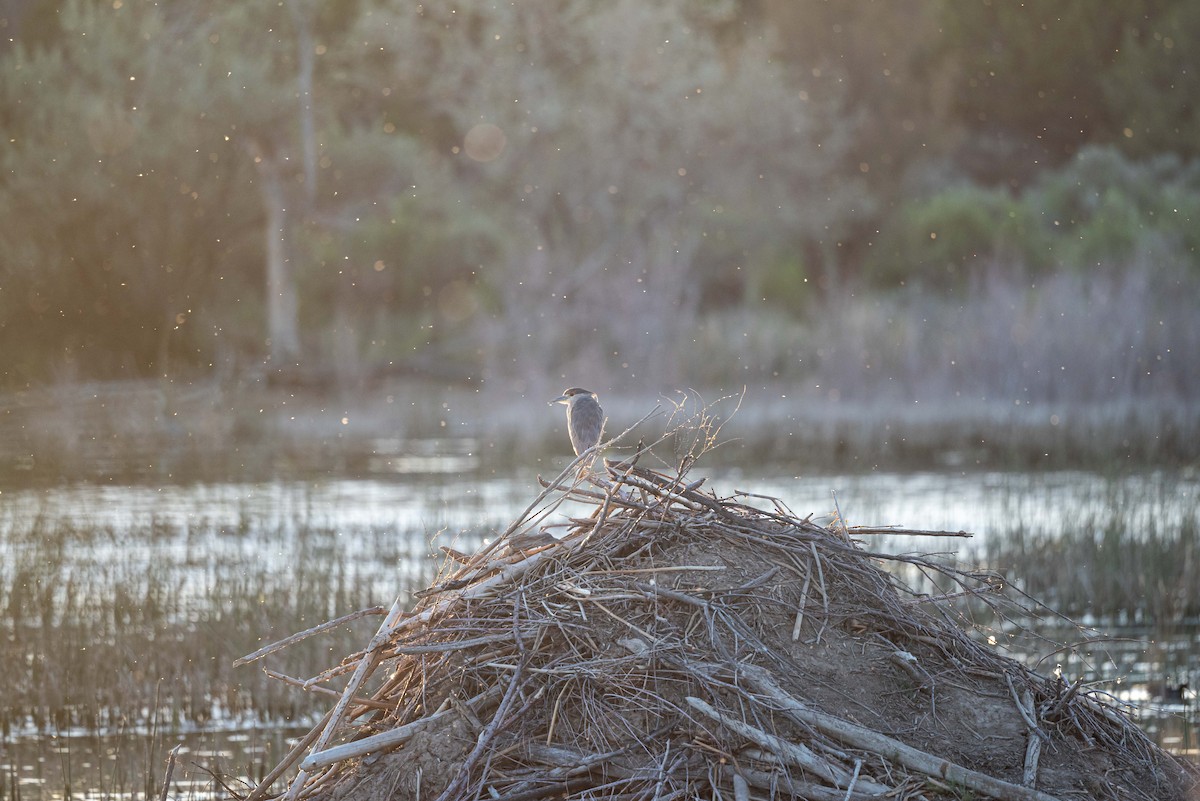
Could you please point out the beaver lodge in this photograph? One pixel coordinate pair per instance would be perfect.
(672, 644)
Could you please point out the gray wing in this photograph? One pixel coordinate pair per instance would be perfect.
(585, 422)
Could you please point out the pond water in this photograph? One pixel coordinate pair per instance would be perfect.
(123, 606)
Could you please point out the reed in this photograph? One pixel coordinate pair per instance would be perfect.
(109, 629)
(1110, 564)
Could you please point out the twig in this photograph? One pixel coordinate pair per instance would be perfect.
(800, 607)
(1033, 746)
(1065, 700)
(866, 531)
(316, 688)
(485, 737)
(297, 750)
(674, 595)
(295, 638)
(365, 666)
(453, 645)
(1027, 711)
(824, 590)
(853, 779)
(972, 592)
(783, 785)
(841, 520)
(662, 569)
(741, 788)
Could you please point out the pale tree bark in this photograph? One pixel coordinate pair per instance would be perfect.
(302, 13)
(282, 304)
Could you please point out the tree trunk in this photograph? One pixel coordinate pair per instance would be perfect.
(305, 66)
(282, 306)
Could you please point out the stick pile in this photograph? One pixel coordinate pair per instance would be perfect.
(673, 644)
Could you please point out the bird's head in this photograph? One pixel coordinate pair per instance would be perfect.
(568, 394)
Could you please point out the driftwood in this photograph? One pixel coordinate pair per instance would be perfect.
(674, 644)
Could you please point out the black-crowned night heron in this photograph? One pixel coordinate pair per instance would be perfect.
(585, 418)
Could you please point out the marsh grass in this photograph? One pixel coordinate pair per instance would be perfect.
(110, 630)
(1123, 561)
(120, 642)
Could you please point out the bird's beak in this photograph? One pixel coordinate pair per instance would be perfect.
(559, 399)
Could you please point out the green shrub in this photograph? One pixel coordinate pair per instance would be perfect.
(944, 239)
(1102, 208)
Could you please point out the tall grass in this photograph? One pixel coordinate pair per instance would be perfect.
(1110, 564)
(1065, 337)
(110, 630)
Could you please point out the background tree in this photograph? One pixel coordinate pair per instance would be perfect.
(1037, 81)
(122, 218)
(365, 186)
(610, 144)
(1153, 86)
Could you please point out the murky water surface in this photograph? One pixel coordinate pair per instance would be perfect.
(198, 548)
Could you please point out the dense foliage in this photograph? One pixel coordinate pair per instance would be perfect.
(192, 189)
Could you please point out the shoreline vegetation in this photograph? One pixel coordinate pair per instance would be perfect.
(150, 432)
(1047, 372)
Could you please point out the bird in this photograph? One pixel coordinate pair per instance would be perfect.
(585, 418)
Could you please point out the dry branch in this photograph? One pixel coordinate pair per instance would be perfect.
(382, 741)
(793, 753)
(889, 748)
(267, 650)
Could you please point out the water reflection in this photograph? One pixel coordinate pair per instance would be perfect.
(114, 767)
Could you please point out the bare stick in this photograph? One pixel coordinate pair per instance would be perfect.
(295, 638)
(890, 749)
(784, 785)
(171, 755)
(973, 592)
(485, 737)
(741, 788)
(1028, 714)
(853, 779)
(381, 741)
(1033, 746)
(824, 591)
(453, 645)
(800, 608)
(841, 520)
(289, 760)
(907, 532)
(794, 753)
(307, 686)
(663, 569)
(365, 666)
